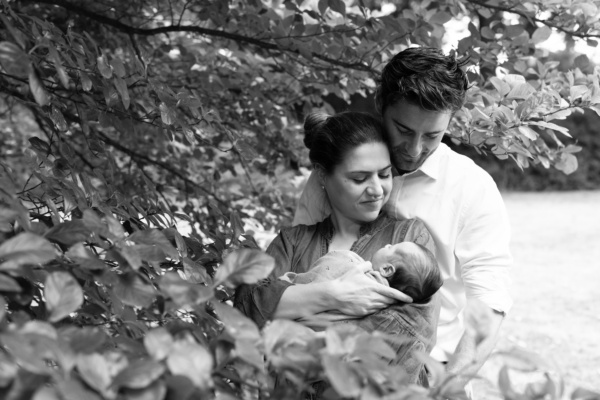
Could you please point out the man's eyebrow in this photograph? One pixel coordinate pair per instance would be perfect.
(409, 129)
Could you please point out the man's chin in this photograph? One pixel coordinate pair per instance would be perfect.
(404, 167)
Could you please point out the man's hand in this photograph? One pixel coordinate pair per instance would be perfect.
(358, 295)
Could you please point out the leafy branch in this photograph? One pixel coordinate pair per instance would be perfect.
(132, 30)
(501, 6)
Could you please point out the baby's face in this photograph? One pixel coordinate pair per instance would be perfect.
(391, 253)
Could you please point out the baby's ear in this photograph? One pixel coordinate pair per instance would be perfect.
(387, 270)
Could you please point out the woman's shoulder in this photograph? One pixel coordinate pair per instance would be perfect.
(297, 232)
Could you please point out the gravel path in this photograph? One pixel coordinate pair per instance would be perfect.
(556, 283)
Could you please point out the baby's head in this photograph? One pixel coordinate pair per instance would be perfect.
(410, 268)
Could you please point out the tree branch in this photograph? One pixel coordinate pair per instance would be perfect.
(132, 30)
(533, 18)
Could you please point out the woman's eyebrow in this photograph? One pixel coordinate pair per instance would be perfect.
(369, 172)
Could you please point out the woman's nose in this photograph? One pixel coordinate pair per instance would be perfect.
(375, 189)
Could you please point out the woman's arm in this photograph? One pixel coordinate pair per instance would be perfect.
(353, 294)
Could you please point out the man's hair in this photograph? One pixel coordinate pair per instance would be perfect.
(330, 137)
(417, 275)
(425, 77)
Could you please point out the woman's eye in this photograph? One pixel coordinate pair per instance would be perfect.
(357, 180)
(385, 176)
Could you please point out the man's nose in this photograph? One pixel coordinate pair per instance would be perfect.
(414, 147)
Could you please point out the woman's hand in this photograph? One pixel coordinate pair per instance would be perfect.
(357, 295)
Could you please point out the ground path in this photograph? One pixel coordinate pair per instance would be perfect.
(556, 282)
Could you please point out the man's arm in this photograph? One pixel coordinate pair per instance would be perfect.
(482, 250)
(472, 350)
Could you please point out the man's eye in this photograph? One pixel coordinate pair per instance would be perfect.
(359, 180)
(385, 176)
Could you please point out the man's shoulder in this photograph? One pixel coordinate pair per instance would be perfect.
(462, 169)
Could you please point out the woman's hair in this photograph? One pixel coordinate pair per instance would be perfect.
(425, 77)
(417, 275)
(330, 137)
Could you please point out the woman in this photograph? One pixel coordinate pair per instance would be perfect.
(352, 161)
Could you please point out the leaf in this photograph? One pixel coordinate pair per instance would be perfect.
(192, 361)
(8, 284)
(63, 77)
(40, 145)
(549, 125)
(195, 272)
(520, 92)
(25, 248)
(63, 295)
(156, 391)
(16, 34)
(86, 82)
(37, 88)
(139, 374)
(528, 132)
(236, 324)
(118, 67)
(85, 258)
(158, 343)
(2, 314)
(46, 393)
(133, 291)
(246, 266)
(343, 379)
(14, 60)
(154, 237)
(74, 390)
(94, 371)
(577, 92)
(103, 67)
(8, 368)
(68, 233)
(167, 114)
(513, 31)
(122, 89)
(502, 87)
(584, 394)
(541, 34)
(182, 292)
(84, 340)
(567, 163)
(338, 6)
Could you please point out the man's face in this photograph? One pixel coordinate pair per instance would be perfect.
(414, 133)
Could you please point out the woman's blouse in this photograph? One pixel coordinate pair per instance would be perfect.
(296, 249)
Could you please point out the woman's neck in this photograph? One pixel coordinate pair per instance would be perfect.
(346, 232)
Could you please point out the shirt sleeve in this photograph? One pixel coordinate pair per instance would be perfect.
(313, 205)
(482, 248)
(259, 301)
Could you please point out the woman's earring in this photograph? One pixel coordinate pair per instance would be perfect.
(322, 187)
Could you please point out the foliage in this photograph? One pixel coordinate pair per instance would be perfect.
(124, 121)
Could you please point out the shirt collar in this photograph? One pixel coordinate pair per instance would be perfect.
(326, 228)
(431, 166)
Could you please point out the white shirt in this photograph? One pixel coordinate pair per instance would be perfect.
(462, 208)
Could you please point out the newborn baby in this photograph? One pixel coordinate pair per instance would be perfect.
(406, 266)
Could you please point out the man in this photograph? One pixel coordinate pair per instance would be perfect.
(419, 92)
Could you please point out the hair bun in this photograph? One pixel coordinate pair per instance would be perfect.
(313, 123)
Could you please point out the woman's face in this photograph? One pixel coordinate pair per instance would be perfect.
(360, 185)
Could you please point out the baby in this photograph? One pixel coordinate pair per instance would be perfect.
(406, 266)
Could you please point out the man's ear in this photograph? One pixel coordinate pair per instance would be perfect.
(387, 270)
